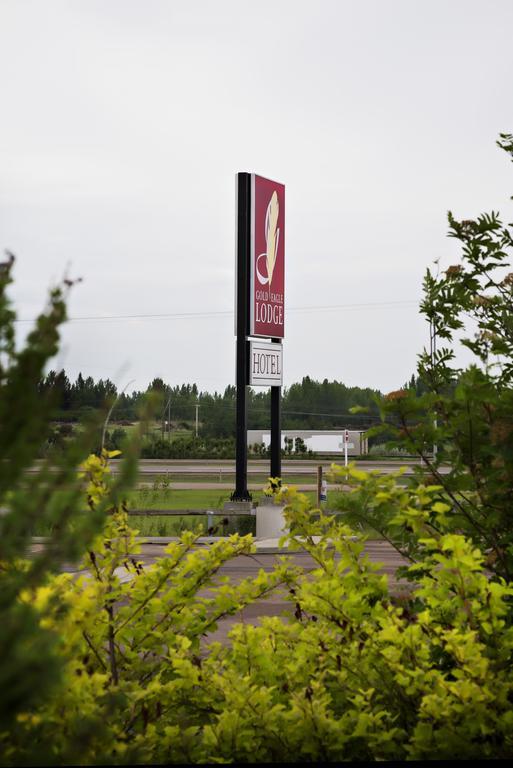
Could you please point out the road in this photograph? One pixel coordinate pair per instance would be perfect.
(227, 467)
(220, 474)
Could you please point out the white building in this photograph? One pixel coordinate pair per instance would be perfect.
(316, 440)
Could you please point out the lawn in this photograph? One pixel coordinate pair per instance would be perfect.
(173, 525)
(224, 476)
(161, 525)
(171, 498)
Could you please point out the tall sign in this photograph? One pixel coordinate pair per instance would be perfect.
(267, 265)
(260, 309)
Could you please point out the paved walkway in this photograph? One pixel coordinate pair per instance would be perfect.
(222, 486)
(265, 557)
(277, 604)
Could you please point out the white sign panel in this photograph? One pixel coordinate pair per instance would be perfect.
(265, 364)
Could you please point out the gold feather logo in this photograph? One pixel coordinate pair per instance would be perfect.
(272, 234)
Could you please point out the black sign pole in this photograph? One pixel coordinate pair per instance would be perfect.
(276, 428)
(243, 256)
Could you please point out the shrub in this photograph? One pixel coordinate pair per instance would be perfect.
(128, 646)
(353, 674)
(467, 414)
(52, 497)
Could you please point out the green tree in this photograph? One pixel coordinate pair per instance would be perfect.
(53, 495)
(466, 414)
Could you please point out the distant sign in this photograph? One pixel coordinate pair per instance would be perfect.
(265, 364)
(267, 258)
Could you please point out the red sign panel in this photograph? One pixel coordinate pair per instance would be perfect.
(267, 263)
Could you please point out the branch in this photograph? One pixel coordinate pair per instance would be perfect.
(112, 646)
(154, 592)
(94, 650)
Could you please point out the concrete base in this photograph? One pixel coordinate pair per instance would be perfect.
(270, 522)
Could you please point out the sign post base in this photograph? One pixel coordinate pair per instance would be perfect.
(270, 522)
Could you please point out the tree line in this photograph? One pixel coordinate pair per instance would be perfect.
(308, 404)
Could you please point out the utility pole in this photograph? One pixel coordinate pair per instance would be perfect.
(168, 409)
(197, 407)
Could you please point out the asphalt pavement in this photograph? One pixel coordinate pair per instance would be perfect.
(288, 467)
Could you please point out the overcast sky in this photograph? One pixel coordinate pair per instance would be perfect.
(124, 122)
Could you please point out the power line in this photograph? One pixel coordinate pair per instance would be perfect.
(228, 313)
(285, 412)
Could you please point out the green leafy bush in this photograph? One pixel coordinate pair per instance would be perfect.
(52, 496)
(467, 414)
(355, 673)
